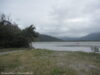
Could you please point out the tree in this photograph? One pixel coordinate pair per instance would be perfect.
(30, 34)
(12, 36)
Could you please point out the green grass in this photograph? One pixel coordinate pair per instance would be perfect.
(48, 62)
(11, 49)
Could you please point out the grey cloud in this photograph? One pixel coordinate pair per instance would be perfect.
(89, 9)
(55, 17)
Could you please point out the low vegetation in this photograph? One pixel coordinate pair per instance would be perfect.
(47, 62)
(12, 49)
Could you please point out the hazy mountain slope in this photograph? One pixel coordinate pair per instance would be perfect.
(43, 37)
(93, 36)
(90, 37)
(69, 39)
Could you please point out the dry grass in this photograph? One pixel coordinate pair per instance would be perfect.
(46, 62)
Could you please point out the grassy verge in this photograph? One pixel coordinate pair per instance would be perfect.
(12, 49)
(46, 62)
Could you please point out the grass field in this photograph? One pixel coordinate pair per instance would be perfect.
(12, 49)
(47, 62)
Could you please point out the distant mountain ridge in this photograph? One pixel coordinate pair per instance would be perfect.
(44, 38)
(90, 37)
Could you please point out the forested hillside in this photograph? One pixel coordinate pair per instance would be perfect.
(47, 38)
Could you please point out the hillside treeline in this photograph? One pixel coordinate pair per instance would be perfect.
(11, 36)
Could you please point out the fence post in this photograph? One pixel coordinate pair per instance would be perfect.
(95, 49)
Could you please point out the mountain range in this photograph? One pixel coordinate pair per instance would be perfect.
(44, 38)
(89, 37)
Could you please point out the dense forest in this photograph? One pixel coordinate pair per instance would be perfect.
(11, 36)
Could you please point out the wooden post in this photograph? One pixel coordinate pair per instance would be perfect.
(95, 49)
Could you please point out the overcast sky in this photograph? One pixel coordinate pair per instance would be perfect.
(60, 18)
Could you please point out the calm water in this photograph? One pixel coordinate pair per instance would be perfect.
(66, 46)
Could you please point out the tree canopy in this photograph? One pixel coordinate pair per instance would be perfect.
(12, 36)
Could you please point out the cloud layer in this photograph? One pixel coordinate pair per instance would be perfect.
(60, 18)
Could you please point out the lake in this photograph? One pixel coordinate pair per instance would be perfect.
(66, 46)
